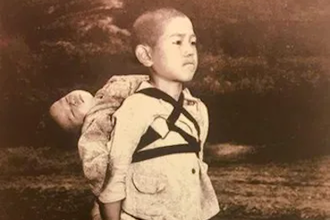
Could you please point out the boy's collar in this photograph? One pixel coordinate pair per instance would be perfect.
(186, 93)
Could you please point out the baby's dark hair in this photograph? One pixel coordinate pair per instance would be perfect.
(148, 26)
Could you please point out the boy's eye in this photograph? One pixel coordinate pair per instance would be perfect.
(193, 42)
(177, 42)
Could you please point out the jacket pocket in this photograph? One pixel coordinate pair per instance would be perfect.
(149, 184)
(145, 195)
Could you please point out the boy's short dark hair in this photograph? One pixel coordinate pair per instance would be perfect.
(147, 27)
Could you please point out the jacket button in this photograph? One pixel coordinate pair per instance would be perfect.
(193, 171)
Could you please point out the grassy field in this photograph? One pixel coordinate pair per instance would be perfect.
(48, 184)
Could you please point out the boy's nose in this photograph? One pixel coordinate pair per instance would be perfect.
(188, 50)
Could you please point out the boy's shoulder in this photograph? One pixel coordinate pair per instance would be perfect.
(121, 86)
(140, 101)
(150, 104)
(113, 94)
(190, 99)
(139, 97)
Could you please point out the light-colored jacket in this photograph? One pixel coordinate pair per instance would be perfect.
(169, 187)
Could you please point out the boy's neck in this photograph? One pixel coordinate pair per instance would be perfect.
(172, 88)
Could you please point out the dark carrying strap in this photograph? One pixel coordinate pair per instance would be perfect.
(151, 135)
(156, 93)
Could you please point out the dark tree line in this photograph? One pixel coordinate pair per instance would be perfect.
(264, 65)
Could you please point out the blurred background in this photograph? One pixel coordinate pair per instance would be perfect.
(264, 72)
(264, 65)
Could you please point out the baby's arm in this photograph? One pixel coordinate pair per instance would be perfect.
(92, 146)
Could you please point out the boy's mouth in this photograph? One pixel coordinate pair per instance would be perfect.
(188, 64)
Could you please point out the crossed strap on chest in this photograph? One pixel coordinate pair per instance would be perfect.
(150, 136)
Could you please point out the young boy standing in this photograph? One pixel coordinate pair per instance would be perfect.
(156, 146)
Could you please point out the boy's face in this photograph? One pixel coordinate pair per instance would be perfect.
(69, 112)
(174, 55)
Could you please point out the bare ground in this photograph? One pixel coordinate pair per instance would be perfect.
(274, 190)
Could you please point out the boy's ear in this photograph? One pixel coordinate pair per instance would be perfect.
(143, 54)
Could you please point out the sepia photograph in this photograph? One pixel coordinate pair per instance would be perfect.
(164, 110)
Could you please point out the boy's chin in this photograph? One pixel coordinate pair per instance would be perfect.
(182, 77)
(186, 78)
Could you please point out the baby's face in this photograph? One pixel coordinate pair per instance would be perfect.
(69, 112)
(174, 55)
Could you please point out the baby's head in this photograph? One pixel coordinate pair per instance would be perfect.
(69, 111)
(164, 40)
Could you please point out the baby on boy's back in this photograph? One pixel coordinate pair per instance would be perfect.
(70, 111)
(80, 112)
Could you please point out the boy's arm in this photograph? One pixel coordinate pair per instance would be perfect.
(131, 121)
(204, 125)
(110, 211)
